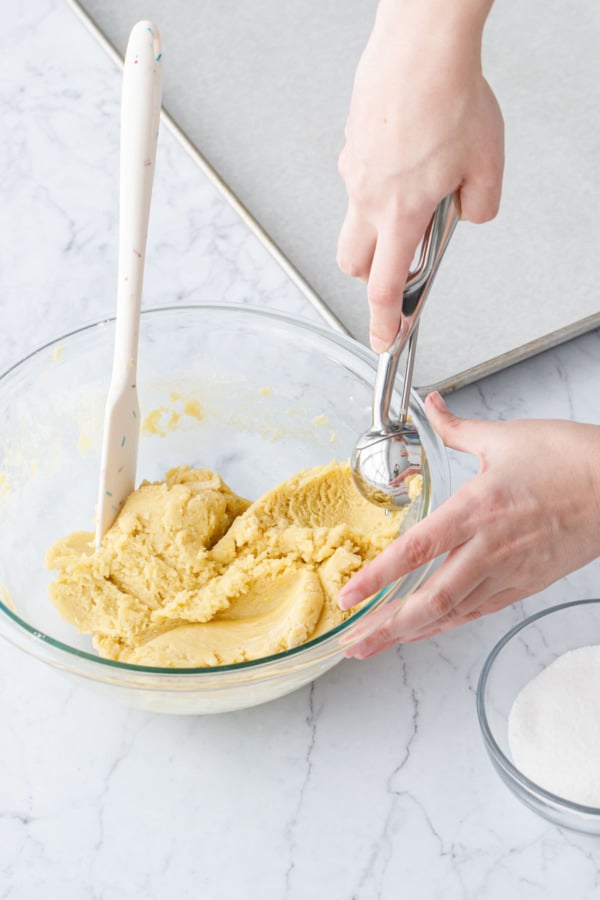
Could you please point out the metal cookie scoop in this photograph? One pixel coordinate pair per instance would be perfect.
(389, 452)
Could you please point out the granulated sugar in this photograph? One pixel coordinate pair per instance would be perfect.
(554, 727)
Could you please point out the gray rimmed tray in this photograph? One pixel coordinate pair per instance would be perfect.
(258, 93)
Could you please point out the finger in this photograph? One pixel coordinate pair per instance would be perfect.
(393, 255)
(356, 245)
(422, 611)
(481, 189)
(449, 526)
(470, 612)
(468, 435)
(479, 203)
(386, 638)
(467, 609)
(435, 602)
(481, 601)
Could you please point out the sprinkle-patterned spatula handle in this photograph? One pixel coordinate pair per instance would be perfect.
(140, 112)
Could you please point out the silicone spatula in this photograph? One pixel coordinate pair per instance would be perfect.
(140, 112)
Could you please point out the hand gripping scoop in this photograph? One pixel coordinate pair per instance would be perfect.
(390, 451)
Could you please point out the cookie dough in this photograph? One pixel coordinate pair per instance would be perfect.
(192, 575)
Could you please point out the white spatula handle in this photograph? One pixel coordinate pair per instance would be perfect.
(140, 111)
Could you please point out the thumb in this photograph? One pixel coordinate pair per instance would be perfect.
(467, 435)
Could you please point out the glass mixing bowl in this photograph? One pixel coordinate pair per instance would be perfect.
(276, 395)
(519, 656)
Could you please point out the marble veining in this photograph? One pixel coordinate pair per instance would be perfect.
(370, 784)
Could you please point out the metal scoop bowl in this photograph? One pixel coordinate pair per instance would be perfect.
(386, 455)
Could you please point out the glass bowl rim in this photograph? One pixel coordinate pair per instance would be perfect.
(499, 756)
(348, 344)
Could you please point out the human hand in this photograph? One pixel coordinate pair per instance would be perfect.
(423, 124)
(530, 516)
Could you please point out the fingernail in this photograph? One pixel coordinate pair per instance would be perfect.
(377, 344)
(437, 401)
(348, 598)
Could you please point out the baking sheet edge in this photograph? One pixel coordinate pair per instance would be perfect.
(461, 379)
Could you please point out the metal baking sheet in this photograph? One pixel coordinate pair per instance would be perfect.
(258, 93)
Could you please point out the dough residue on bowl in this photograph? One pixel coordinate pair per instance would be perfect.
(192, 575)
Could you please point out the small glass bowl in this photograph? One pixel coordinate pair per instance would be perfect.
(519, 656)
(254, 395)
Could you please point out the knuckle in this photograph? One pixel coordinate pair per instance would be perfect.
(493, 208)
(350, 266)
(407, 213)
(473, 615)
(441, 605)
(482, 214)
(358, 183)
(482, 202)
(343, 262)
(383, 295)
(386, 635)
(418, 550)
(453, 423)
(494, 501)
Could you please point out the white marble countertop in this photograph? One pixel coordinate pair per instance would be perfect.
(371, 783)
